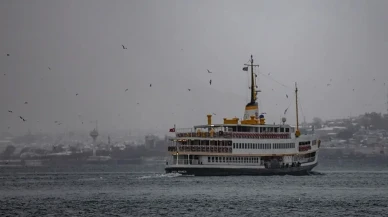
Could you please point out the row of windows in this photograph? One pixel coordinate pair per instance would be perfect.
(253, 160)
(252, 145)
(305, 143)
(263, 145)
(283, 145)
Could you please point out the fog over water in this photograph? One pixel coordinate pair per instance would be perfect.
(335, 50)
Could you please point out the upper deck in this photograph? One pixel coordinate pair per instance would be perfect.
(237, 131)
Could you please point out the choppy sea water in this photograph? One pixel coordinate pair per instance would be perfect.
(146, 191)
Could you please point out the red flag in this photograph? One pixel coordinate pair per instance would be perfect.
(172, 129)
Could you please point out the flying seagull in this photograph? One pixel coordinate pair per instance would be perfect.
(209, 71)
(126, 90)
(210, 82)
(9, 111)
(124, 47)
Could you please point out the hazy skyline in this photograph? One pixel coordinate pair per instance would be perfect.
(171, 44)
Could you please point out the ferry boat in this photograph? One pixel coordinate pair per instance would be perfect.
(246, 147)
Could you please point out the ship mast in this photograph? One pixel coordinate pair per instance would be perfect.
(253, 90)
(252, 108)
(253, 93)
(297, 132)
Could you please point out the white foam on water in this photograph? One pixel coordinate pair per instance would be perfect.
(160, 175)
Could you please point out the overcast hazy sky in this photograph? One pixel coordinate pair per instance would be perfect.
(171, 44)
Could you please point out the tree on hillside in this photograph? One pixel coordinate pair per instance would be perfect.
(317, 123)
(345, 134)
(9, 150)
(374, 120)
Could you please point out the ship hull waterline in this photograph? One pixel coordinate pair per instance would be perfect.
(214, 171)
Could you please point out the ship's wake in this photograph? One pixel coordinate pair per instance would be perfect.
(314, 173)
(160, 175)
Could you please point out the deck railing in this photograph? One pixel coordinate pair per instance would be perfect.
(241, 135)
(202, 148)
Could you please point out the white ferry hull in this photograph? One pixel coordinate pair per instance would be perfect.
(229, 171)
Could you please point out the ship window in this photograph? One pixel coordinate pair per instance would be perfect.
(213, 159)
(208, 159)
(223, 159)
(276, 130)
(287, 130)
(282, 130)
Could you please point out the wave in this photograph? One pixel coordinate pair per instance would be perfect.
(160, 175)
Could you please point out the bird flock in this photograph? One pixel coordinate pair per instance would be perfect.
(188, 89)
(77, 94)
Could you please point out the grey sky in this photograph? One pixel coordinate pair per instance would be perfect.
(171, 44)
